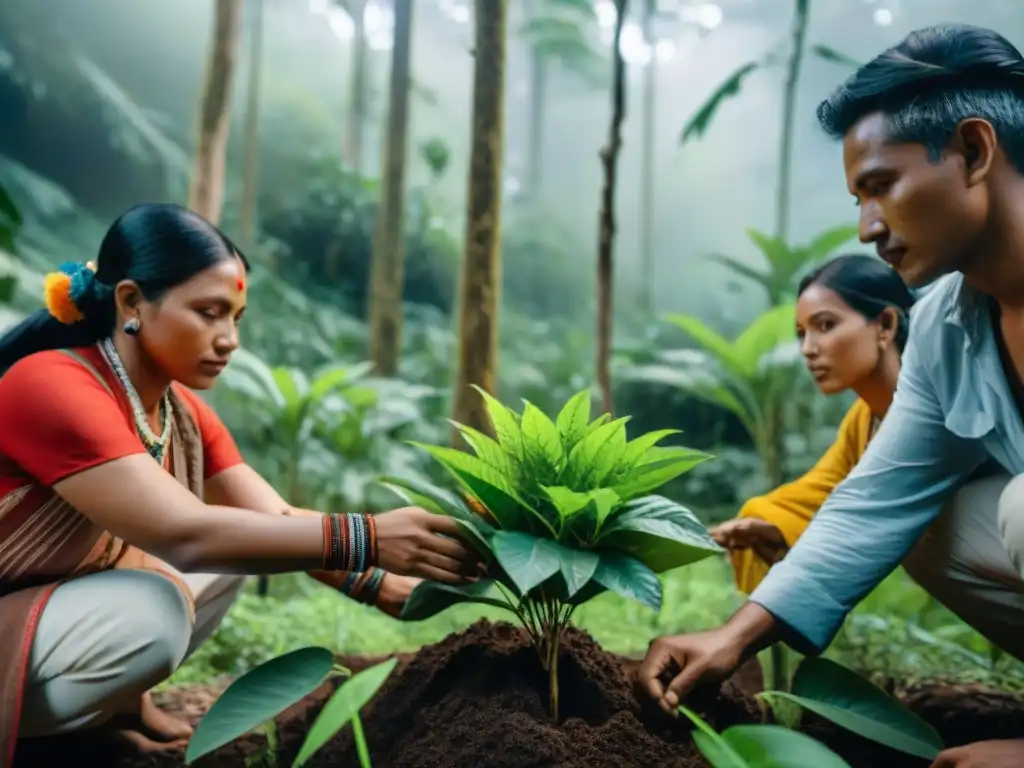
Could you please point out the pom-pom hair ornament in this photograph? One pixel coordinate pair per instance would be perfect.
(65, 288)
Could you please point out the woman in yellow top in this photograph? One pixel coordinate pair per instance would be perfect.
(852, 322)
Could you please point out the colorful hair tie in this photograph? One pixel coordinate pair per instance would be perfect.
(64, 289)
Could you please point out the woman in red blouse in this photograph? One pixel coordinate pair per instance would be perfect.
(128, 517)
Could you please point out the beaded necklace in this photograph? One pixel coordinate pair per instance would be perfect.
(155, 444)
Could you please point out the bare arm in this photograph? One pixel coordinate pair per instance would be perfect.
(136, 500)
(242, 486)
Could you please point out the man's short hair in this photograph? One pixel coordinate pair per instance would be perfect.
(930, 82)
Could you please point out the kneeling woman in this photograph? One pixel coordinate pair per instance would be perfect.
(128, 518)
(852, 322)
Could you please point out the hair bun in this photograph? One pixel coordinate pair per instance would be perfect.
(65, 290)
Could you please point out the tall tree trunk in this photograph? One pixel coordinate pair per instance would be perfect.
(354, 149)
(796, 55)
(387, 273)
(647, 149)
(606, 233)
(206, 194)
(250, 170)
(480, 281)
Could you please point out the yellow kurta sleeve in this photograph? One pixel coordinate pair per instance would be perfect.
(790, 507)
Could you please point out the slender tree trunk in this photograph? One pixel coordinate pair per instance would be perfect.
(480, 281)
(250, 172)
(206, 194)
(609, 159)
(359, 87)
(796, 55)
(387, 266)
(647, 149)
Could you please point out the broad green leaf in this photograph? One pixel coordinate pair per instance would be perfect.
(774, 249)
(257, 696)
(829, 240)
(627, 576)
(773, 746)
(351, 696)
(567, 501)
(604, 501)
(578, 567)
(697, 125)
(293, 384)
(597, 453)
(475, 529)
(430, 598)
(528, 560)
(506, 427)
(651, 475)
(709, 340)
(328, 381)
(484, 482)
(852, 702)
(572, 420)
(249, 374)
(597, 423)
(741, 269)
(764, 334)
(715, 748)
(659, 533)
(542, 443)
(638, 446)
(487, 449)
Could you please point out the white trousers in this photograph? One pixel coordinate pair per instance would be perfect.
(105, 639)
(971, 559)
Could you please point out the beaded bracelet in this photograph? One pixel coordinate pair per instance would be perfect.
(363, 587)
(350, 542)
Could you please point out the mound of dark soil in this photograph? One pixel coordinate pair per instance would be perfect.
(478, 699)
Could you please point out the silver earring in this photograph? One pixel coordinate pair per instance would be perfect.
(132, 326)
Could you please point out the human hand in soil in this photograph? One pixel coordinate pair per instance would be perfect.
(394, 591)
(414, 542)
(751, 533)
(676, 664)
(983, 754)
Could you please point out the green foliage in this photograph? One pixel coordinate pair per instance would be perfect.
(561, 510)
(760, 746)
(854, 703)
(787, 263)
(328, 226)
(10, 223)
(560, 30)
(744, 376)
(257, 696)
(701, 120)
(828, 53)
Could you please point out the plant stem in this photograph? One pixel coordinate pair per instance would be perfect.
(362, 748)
(553, 648)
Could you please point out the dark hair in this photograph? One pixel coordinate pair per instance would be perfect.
(932, 80)
(868, 285)
(157, 245)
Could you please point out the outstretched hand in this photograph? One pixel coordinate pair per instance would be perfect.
(751, 533)
(414, 542)
(677, 664)
(1008, 753)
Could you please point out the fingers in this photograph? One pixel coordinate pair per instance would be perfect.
(681, 686)
(949, 758)
(431, 572)
(648, 676)
(449, 526)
